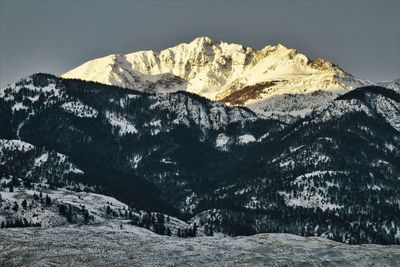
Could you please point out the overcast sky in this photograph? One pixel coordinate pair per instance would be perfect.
(53, 36)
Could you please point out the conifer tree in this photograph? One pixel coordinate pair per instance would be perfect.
(86, 216)
(15, 207)
(24, 204)
(48, 200)
(194, 232)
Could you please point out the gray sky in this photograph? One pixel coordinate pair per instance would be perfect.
(363, 37)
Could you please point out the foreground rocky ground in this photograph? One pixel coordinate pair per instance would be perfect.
(131, 246)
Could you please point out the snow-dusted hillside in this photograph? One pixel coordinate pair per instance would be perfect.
(394, 85)
(111, 246)
(198, 160)
(41, 206)
(27, 98)
(72, 130)
(40, 188)
(230, 73)
(27, 162)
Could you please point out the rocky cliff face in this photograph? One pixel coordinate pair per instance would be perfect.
(231, 73)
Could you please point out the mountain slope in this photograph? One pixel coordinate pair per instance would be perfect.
(225, 72)
(333, 174)
(128, 144)
(336, 173)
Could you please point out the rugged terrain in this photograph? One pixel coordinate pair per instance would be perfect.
(105, 246)
(274, 81)
(334, 173)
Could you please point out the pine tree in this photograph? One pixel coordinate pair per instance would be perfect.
(86, 216)
(69, 214)
(211, 231)
(62, 210)
(194, 232)
(159, 225)
(15, 207)
(48, 200)
(108, 210)
(27, 184)
(24, 204)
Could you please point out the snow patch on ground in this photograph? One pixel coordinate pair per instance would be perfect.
(135, 160)
(124, 126)
(18, 106)
(155, 127)
(79, 109)
(15, 145)
(311, 198)
(246, 138)
(390, 110)
(221, 142)
(41, 159)
(253, 203)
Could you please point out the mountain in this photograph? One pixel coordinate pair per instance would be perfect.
(334, 173)
(394, 85)
(49, 195)
(274, 81)
(128, 144)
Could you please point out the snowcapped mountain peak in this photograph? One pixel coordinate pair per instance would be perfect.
(202, 40)
(226, 72)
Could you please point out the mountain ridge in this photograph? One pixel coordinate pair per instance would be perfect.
(230, 73)
(186, 156)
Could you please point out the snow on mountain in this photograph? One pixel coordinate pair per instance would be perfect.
(208, 115)
(194, 155)
(33, 163)
(221, 142)
(246, 138)
(79, 109)
(394, 85)
(230, 73)
(318, 197)
(375, 100)
(14, 145)
(32, 95)
(124, 126)
(37, 211)
(389, 109)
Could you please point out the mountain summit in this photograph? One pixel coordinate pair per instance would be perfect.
(263, 80)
